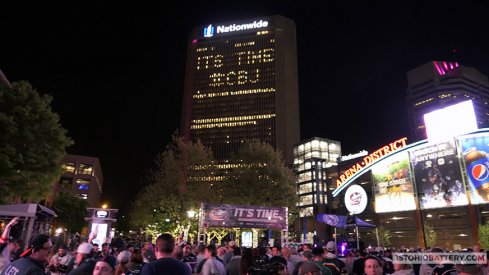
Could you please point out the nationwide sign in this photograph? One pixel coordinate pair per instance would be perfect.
(369, 160)
(209, 30)
(354, 156)
(243, 216)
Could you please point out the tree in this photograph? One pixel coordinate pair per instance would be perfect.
(178, 182)
(384, 236)
(259, 178)
(484, 235)
(71, 211)
(430, 235)
(32, 143)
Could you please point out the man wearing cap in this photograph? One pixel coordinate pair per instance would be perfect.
(34, 259)
(330, 260)
(309, 268)
(84, 260)
(105, 266)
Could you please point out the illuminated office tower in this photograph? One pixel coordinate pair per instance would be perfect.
(241, 84)
(438, 84)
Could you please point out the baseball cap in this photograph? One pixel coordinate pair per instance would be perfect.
(124, 256)
(278, 260)
(331, 246)
(36, 242)
(84, 248)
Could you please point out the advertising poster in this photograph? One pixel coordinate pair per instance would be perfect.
(438, 176)
(475, 150)
(244, 216)
(393, 185)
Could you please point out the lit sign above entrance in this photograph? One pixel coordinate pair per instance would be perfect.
(209, 30)
(367, 161)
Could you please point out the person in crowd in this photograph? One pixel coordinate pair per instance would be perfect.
(84, 260)
(188, 256)
(336, 265)
(61, 263)
(318, 253)
(34, 259)
(278, 266)
(373, 265)
(105, 250)
(123, 259)
(16, 249)
(233, 266)
(309, 268)
(403, 269)
(212, 266)
(246, 261)
(229, 252)
(105, 266)
(148, 252)
(359, 263)
(136, 263)
(164, 263)
(349, 260)
(5, 249)
(285, 252)
(295, 257)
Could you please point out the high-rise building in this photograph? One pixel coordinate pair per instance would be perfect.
(438, 84)
(241, 83)
(82, 176)
(312, 158)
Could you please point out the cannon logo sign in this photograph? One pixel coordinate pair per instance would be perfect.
(227, 215)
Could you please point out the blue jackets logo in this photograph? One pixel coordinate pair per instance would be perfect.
(209, 31)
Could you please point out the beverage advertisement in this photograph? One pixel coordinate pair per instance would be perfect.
(438, 176)
(393, 185)
(475, 150)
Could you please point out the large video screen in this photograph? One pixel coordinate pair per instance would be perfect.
(438, 177)
(393, 185)
(475, 150)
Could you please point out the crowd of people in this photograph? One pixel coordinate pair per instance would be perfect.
(174, 256)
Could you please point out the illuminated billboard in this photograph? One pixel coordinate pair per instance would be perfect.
(101, 230)
(438, 177)
(450, 121)
(393, 185)
(475, 149)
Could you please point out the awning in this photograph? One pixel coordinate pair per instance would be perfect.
(25, 210)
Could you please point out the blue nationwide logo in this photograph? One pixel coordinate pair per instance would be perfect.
(209, 31)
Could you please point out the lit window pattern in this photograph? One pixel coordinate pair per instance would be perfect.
(82, 196)
(82, 184)
(85, 169)
(424, 101)
(233, 93)
(305, 200)
(305, 188)
(244, 44)
(228, 121)
(68, 167)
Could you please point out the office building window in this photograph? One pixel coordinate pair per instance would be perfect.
(85, 169)
(68, 167)
(82, 184)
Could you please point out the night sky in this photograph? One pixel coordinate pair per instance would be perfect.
(116, 72)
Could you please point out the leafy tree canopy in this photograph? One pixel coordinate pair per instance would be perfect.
(32, 143)
(178, 182)
(261, 178)
(71, 211)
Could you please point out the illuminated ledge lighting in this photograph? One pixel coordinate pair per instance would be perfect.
(241, 92)
(232, 119)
